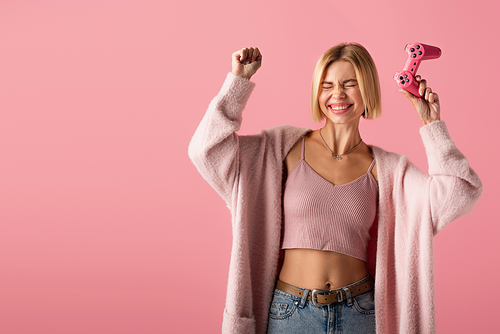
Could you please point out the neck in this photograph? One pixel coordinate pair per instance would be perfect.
(341, 137)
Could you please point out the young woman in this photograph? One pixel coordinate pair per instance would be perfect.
(319, 195)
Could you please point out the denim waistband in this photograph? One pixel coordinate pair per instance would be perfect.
(320, 297)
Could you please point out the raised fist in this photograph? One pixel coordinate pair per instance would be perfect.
(246, 62)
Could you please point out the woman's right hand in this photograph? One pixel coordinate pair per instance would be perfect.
(246, 62)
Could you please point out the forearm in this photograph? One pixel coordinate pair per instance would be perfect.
(454, 187)
(214, 146)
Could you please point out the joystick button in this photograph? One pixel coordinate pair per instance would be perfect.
(412, 49)
(419, 53)
(406, 76)
(401, 78)
(407, 80)
(418, 47)
(414, 55)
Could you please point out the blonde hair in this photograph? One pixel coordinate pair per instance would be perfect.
(366, 75)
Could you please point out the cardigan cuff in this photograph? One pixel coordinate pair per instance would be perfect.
(237, 85)
(435, 137)
(234, 324)
(235, 92)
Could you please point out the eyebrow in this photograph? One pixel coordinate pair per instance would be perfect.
(344, 82)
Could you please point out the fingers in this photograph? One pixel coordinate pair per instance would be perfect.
(428, 105)
(425, 91)
(430, 95)
(237, 55)
(256, 55)
(249, 55)
(246, 62)
(433, 97)
(244, 56)
(422, 86)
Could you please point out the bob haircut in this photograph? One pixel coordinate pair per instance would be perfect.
(366, 75)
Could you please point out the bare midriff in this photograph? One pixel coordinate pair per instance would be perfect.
(316, 269)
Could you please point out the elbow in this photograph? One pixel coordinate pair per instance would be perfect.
(467, 196)
(197, 156)
(196, 152)
(193, 152)
(472, 193)
(456, 203)
(476, 195)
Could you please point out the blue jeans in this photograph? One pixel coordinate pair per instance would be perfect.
(290, 314)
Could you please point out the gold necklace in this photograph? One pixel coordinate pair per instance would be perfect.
(338, 156)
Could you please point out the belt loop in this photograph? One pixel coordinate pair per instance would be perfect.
(348, 296)
(304, 298)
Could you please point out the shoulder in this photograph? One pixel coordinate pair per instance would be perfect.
(278, 139)
(394, 168)
(286, 133)
(389, 163)
(386, 157)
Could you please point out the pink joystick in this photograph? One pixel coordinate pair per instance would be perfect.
(416, 53)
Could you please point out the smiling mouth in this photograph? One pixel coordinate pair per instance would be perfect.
(339, 109)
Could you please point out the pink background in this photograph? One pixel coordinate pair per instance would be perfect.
(106, 226)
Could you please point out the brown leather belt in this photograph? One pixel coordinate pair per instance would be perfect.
(324, 297)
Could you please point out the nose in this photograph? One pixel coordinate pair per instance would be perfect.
(338, 91)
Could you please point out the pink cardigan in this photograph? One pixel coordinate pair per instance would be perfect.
(247, 171)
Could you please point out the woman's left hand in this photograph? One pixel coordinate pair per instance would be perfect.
(427, 106)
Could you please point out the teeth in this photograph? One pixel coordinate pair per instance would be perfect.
(339, 108)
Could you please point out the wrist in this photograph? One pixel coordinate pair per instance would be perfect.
(428, 121)
(242, 75)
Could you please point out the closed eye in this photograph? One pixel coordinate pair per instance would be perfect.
(343, 87)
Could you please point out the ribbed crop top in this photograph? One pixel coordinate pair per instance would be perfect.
(321, 215)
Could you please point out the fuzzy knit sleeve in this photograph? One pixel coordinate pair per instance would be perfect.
(413, 207)
(454, 187)
(214, 147)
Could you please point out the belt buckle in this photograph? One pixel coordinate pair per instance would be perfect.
(314, 297)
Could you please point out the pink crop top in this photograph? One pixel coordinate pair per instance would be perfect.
(321, 215)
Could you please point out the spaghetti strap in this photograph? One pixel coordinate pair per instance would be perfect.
(303, 147)
(371, 166)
